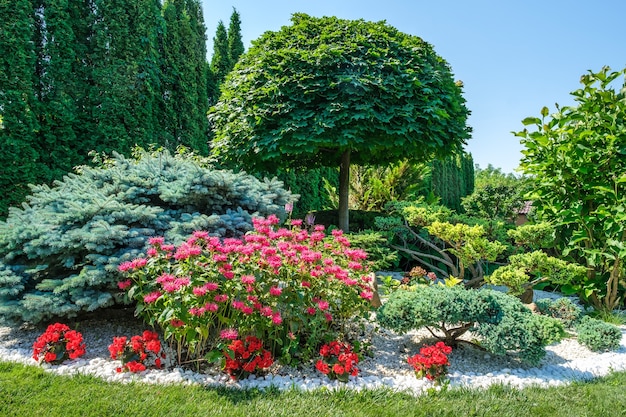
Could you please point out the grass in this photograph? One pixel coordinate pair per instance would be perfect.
(30, 391)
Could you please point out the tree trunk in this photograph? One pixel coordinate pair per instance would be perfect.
(344, 189)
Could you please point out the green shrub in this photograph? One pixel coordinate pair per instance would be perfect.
(503, 324)
(549, 329)
(562, 309)
(379, 255)
(291, 288)
(59, 253)
(598, 335)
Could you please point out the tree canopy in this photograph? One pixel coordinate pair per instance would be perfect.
(328, 92)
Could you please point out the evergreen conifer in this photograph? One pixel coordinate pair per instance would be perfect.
(59, 253)
(18, 157)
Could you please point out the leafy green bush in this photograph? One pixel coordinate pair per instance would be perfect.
(562, 309)
(502, 322)
(379, 255)
(290, 288)
(598, 335)
(59, 253)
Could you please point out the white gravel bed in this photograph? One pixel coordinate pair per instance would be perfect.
(387, 367)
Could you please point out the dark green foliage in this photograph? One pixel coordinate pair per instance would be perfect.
(220, 61)
(298, 75)
(494, 202)
(18, 106)
(235, 44)
(360, 220)
(227, 48)
(309, 185)
(379, 254)
(59, 253)
(125, 80)
(185, 70)
(502, 323)
(330, 92)
(452, 179)
(62, 88)
(77, 76)
(563, 309)
(598, 335)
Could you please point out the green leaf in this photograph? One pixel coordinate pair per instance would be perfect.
(531, 121)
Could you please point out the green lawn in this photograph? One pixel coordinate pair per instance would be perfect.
(29, 391)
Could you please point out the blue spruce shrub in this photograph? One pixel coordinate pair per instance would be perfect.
(598, 335)
(59, 253)
(562, 309)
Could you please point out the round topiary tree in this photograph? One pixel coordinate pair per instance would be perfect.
(331, 92)
(59, 253)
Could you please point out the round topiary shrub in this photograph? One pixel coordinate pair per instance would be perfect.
(501, 322)
(60, 252)
(598, 335)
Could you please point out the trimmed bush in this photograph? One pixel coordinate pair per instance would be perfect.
(562, 309)
(503, 324)
(598, 335)
(59, 253)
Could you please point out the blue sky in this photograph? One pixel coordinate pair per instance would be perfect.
(514, 57)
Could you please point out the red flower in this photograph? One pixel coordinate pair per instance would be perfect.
(432, 362)
(137, 353)
(322, 367)
(58, 343)
(246, 357)
(338, 361)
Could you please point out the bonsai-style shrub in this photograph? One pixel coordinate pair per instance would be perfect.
(501, 322)
(598, 335)
(60, 252)
(526, 270)
(430, 235)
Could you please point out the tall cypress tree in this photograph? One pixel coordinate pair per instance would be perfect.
(450, 179)
(235, 44)
(62, 89)
(185, 75)
(126, 73)
(18, 159)
(220, 61)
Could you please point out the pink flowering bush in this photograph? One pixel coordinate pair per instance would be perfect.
(291, 287)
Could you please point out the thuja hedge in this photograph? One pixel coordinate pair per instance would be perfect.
(501, 322)
(59, 253)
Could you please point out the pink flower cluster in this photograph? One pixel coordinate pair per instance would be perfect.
(269, 276)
